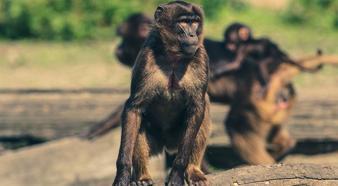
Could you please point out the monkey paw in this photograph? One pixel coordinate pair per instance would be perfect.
(195, 177)
(176, 178)
(122, 179)
(147, 182)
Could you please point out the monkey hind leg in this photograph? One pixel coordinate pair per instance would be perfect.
(281, 142)
(145, 147)
(252, 148)
(194, 174)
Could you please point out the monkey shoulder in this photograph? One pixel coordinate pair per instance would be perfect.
(142, 84)
(152, 75)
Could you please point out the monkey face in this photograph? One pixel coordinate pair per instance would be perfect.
(137, 26)
(186, 29)
(180, 24)
(236, 34)
(244, 34)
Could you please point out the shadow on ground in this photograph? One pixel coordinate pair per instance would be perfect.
(224, 157)
(19, 141)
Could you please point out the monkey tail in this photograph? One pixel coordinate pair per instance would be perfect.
(110, 123)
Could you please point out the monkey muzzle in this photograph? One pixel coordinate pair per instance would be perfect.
(189, 47)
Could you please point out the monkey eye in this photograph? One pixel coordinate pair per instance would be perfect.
(183, 24)
(184, 21)
(195, 23)
(197, 19)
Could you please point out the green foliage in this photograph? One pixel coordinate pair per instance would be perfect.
(81, 19)
(312, 12)
(211, 8)
(295, 13)
(60, 19)
(97, 19)
(214, 8)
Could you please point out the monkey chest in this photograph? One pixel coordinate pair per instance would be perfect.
(167, 108)
(166, 111)
(174, 82)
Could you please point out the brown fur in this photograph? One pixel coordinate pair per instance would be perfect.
(255, 122)
(257, 49)
(168, 108)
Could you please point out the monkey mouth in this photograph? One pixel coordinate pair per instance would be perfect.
(189, 49)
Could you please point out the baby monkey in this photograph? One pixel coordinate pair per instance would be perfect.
(264, 53)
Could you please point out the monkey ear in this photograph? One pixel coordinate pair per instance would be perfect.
(158, 13)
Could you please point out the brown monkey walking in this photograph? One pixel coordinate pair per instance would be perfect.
(168, 107)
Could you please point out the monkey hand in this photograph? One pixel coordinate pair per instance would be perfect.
(123, 178)
(176, 178)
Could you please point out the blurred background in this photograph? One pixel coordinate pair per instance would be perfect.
(58, 76)
(69, 43)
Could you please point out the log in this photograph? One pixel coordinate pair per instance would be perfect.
(278, 174)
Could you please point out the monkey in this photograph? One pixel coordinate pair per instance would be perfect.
(255, 122)
(244, 85)
(258, 49)
(236, 34)
(249, 122)
(239, 38)
(133, 31)
(251, 119)
(168, 106)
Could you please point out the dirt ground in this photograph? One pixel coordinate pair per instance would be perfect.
(69, 161)
(51, 115)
